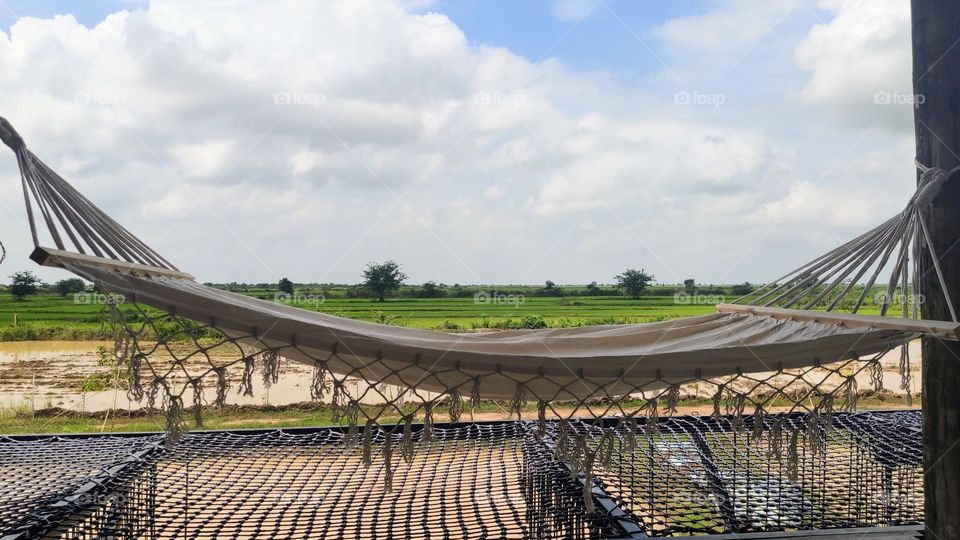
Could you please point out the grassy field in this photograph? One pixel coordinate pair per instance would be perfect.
(49, 317)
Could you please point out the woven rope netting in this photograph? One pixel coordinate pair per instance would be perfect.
(686, 475)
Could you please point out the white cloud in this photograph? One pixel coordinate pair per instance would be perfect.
(362, 130)
(203, 160)
(734, 24)
(859, 63)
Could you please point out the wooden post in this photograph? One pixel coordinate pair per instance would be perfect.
(936, 84)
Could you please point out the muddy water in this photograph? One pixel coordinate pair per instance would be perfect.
(50, 373)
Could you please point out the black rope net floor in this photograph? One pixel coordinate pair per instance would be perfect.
(776, 450)
(687, 475)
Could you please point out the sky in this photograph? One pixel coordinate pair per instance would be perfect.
(472, 141)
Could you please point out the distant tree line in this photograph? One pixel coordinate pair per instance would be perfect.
(26, 284)
(384, 280)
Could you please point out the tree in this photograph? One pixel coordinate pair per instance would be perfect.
(550, 289)
(593, 289)
(690, 285)
(70, 286)
(430, 290)
(24, 284)
(382, 279)
(285, 286)
(741, 290)
(633, 281)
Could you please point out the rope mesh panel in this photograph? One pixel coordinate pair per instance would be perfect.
(691, 475)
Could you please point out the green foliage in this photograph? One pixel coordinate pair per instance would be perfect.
(101, 380)
(742, 289)
(633, 281)
(285, 285)
(70, 286)
(550, 289)
(381, 317)
(24, 284)
(533, 320)
(382, 279)
(448, 326)
(430, 290)
(690, 286)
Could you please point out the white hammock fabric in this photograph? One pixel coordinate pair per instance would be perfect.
(551, 364)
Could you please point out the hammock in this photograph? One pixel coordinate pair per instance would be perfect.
(756, 357)
(556, 363)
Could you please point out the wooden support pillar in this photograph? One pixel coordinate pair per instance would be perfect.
(936, 83)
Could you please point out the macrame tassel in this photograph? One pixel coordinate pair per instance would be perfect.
(578, 459)
(825, 411)
(541, 418)
(270, 368)
(406, 441)
(736, 410)
(758, 423)
(456, 405)
(876, 376)
(851, 394)
(776, 439)
(337, 401)
(673, 399)
(717, 401)
(563, 439)
(175, 425)
(387, 453)
(223, 385)
(368, 443)
(474, 395)
(632, 429)
(153, 393)
(135, 393)
(588, 484)
(246, 379)
(815, 433)
(606, 447)
(353, 428)
(427, 434)
(197, 402)
(653, 418)
(905, 376)
(516, 405)
(793, 454)
(318, 383)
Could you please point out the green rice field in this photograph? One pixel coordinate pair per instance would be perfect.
(48, 316)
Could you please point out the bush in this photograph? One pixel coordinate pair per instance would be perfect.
(533, 321)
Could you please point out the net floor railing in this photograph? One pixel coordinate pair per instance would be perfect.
(686, 475)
